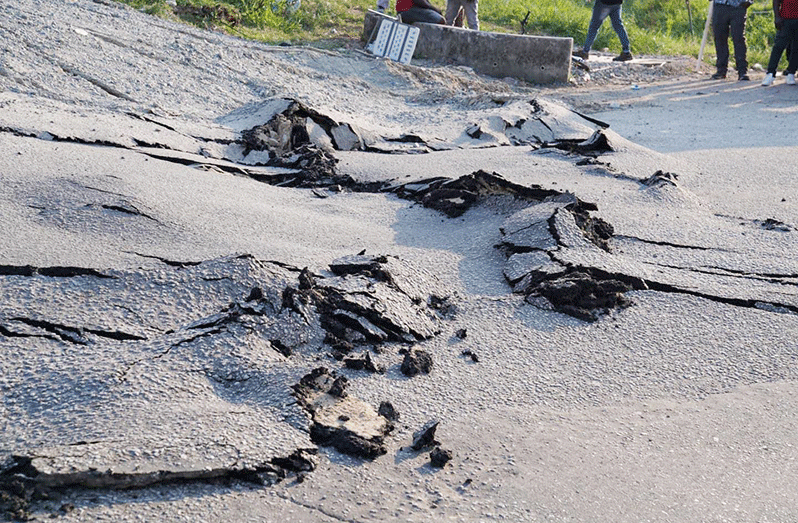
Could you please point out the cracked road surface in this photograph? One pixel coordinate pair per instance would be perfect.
(219, 261)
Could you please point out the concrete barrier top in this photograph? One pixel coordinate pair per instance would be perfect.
(535, 59)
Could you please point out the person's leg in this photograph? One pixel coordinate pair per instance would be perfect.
(459, 19)
(471, 8)
(620, 30)
(419, 14)
(600, 12)
(720, 32)
(452, 8)
(792, 26)
(737, 25)
(779, 44)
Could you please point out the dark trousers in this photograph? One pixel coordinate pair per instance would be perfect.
(420, 14)
(786, 36)
(730, 20)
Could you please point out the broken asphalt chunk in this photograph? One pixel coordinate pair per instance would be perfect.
(346, 423)
(388, 411)
(661, 178)
(439, 457)
(364, 363)
(425, 436)
(416, 362)
(596, 144)
(581, 295)
(455, 197)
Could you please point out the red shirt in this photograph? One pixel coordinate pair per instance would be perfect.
(403, 5)
(788, 9)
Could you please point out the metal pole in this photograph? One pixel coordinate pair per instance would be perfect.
(704, 38)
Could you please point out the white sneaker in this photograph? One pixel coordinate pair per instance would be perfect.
(790, 79)
(768, 81)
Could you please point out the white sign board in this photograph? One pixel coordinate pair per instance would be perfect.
(396, 41)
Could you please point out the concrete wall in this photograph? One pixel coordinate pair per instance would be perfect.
(536, 59)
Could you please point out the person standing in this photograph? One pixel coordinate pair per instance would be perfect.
(470, 7)
(728, 17)
(785, 17)
(601, 10)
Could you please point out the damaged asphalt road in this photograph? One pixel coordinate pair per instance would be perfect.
(227, 290)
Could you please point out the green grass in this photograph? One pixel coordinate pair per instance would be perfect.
(655, 27)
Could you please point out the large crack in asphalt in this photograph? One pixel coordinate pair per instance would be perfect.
(362, 302)
(559, 256)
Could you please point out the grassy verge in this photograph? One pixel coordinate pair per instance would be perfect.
(655, 27)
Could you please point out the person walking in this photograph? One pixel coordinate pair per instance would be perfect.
(729, 17)
(785, 17)
(601, 10)
(469, 7)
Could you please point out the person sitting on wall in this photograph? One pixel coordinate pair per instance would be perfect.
(412, 11)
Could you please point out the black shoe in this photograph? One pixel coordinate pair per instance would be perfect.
(623, 57)
(718, 76)
(743, 77)
(581, 54)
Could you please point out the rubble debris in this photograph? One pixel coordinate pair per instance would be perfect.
(660, 178)
(455, 197)
(352, 306)
(301, 460)
(286, 131)
(16, 496)
(364, 363)
(425, 436)
(306, 279)
(471, 354)
(281, 347)
(596, 144)
(442, 304)
(21, 483)
(771, 224)
(581, 295)
(302, 140)
(388, 411)
(439, 457)
(348, 424)
(532, 239)
(311, 168)
(596, 230)
(347, 441)
(340, 348)
(369, 266)
(338, 387)
(256, 294)
(416, 362)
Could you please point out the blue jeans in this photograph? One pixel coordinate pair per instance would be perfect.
(600, 12)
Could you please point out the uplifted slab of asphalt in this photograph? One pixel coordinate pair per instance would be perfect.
(239, 281)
